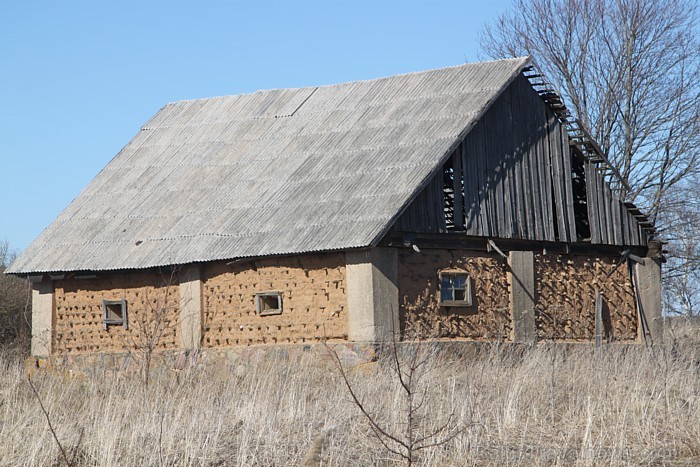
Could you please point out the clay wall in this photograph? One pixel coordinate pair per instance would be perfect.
(314, 296)
(79, 317)
(314, 301)
(489, 316)
(566, 290)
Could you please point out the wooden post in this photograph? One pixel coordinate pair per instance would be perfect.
(522, 296)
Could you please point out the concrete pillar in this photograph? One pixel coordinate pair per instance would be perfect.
(648, 283)
(522, 296)
(42, 318)
(190, 307)
(373, 294)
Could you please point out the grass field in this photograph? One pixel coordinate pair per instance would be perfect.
(553, 405)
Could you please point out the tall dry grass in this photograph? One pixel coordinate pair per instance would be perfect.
(553, 405)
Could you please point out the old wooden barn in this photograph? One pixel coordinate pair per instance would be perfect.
(458, 203)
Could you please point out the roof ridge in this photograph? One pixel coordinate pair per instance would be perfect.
(408, 73)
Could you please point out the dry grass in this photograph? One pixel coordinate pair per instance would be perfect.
(548, 406)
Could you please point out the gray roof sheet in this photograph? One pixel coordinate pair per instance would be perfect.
(269, 173)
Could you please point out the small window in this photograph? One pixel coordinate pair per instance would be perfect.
(455, 289)
(114, 313)
(268, 303)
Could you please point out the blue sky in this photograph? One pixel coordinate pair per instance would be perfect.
(78, 79)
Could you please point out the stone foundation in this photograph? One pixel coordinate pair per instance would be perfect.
(223, 362)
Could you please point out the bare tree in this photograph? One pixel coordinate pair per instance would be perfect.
(410, 362)
(14, 301)
(682, 271)
(630, 70)
(152, 320)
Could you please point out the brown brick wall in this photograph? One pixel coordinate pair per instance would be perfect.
(313, 294)
(565, 287)
(488, 318)
(78, 311)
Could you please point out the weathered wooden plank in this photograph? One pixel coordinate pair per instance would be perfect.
(429, 199)
(537, 166)
(605, 204)
(492, 175)
(485, 181)
(543, 173)
(457, 189)
(569, 191)
(592, 202)
(551, 122)
(634, 229)
(610, 218)
(497, 171)
(432, 207)
(559, 188)
(518, 156)
(617, 219)
(527, 142)
(624, 225)
(418, 214)
(471, 187)
(494, 162)
(600, 190)
(508, 151)
(504, 126)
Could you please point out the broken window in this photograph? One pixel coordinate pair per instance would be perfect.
(268, 303)
(455, 289)
(114, 313)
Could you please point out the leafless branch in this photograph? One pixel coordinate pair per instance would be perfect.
(48, 421)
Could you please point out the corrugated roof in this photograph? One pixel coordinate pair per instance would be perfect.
(273, 172)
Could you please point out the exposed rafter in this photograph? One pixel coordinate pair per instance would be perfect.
(581, 138)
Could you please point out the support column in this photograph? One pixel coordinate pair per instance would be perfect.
(190, 307)
(648, 283)
(522, 296)
(43, 321)
(373, 294)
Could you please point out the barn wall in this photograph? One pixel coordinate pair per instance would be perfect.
(78, 311)
(488, 319)
(566, 290)
(313, 292)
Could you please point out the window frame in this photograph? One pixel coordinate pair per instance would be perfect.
(107, 321)
(467, 302)
(260, 299)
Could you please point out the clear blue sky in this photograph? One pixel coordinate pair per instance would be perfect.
(78, 79)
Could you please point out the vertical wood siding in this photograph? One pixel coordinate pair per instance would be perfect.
(511, 177)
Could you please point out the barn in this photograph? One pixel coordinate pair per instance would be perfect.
(460, 203)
